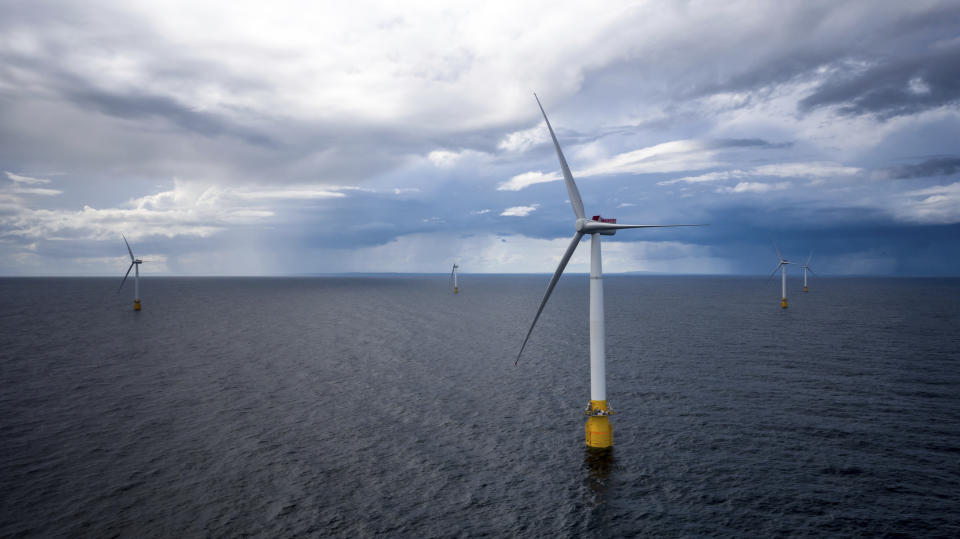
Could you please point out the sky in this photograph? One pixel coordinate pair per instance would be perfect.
(284, 138)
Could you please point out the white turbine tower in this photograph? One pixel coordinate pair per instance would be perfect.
(453, 277)
(599, 432)
(134, 262)
(782, 266)
(807, 267)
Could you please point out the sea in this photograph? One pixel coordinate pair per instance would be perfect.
(360, 406)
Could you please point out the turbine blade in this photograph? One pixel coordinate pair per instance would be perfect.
(125, 277)
(646, 226)
(809, 258)
(129, 250)
(572, 191)
(774, 271)
(811, 270)
(779, 256)
(553, 283)
(593, 226)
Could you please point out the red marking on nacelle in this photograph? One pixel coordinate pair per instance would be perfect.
(599, 219)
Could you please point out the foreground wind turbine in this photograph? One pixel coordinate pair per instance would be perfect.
(782, 266)
(599, 432)
(134, 262)
(806, 267)
(453, 276)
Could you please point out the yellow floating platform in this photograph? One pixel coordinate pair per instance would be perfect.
(598, 430)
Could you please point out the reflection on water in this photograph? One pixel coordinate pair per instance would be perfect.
(598, 463)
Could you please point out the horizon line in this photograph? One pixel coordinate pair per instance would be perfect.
(401, 273)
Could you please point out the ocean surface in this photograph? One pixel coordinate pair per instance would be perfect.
(361, 406)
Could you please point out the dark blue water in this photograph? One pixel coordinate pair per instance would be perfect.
(366, 406)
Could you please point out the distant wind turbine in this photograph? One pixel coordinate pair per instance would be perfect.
(598, 430)
(807, 267)
(453, 277)
(134, 263)
(782, 266)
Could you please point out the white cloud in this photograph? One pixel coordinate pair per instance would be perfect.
(918, 86)
(522, 181)
(812, 170)
(449, 159)
(521, 141)
(289, 192)
(443, 158)
(671, 156)
(754, 187)
(23, 185)
(35, 191)
(708, 177)
(806, 170)
(425, 64)
(189, 209)
(25, 179)
(480, 212)
(939, 204)
(520, 211)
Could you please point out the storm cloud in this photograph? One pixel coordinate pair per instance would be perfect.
(307, 138)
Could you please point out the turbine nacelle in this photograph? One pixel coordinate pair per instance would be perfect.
(596, 225)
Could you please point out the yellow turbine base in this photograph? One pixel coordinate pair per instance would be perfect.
(804, 289)
(783, 303)
(456, 289)
(136, 305)
(598, 430)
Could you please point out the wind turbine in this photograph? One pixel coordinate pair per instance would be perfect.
(453, 276)
(134, 262)
(806, 267)
(598, 430)
(782, 266)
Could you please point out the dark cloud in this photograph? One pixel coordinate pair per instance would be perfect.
(121, 135)
(887, 89)
(134, 106)
(936, 166)
(899, 45)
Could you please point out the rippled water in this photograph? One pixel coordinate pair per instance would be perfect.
(363, 406)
